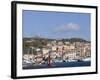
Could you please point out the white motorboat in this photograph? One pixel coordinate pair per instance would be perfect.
(86, 59)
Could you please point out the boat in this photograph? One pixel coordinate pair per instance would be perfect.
(86, 59)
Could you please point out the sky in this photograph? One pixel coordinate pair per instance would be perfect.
(56, 25)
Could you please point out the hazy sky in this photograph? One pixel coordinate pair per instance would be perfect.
(56, 25)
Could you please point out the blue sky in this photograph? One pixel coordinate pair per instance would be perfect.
(56, 25)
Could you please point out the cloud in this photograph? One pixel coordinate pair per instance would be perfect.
(68, 27)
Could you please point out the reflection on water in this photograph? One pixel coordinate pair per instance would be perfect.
(56, 65)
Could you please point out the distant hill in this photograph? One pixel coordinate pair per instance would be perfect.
(75, 40)
(47, 39)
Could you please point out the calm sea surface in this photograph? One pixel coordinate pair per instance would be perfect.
(58, 65)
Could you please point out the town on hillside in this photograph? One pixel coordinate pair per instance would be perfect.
(40, 51)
